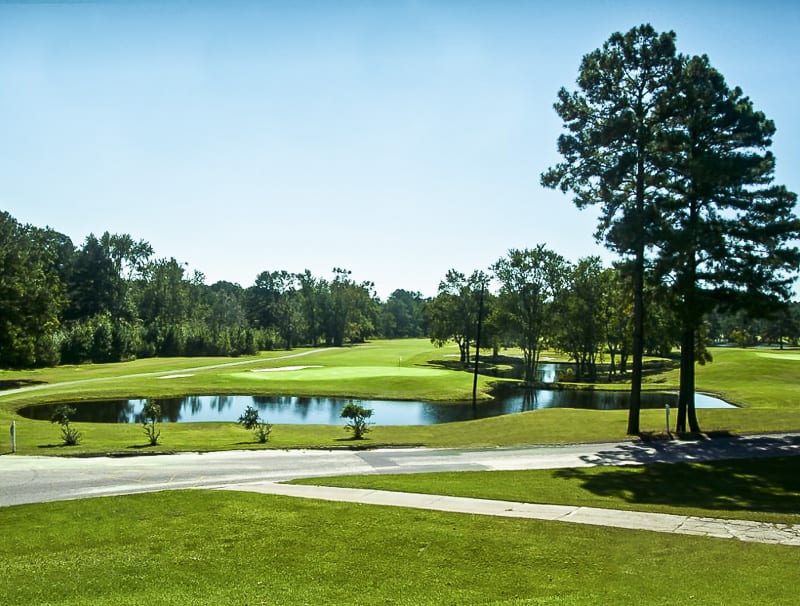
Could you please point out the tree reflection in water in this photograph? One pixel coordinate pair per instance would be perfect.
(326, 411)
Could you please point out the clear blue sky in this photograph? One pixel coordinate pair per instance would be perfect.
(397, 139)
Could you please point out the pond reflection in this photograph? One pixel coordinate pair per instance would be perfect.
(327, 411)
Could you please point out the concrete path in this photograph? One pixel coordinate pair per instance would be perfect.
(26, 479)
(743, 530)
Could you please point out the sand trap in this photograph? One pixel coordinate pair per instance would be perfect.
(282, 368)
(174, 376)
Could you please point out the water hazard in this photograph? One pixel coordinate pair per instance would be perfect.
(327, 411)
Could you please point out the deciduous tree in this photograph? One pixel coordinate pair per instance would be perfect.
(530, 281)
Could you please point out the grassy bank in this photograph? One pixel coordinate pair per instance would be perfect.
(764, 383)
(201, 547)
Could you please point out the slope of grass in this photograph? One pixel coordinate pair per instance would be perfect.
(753, 378)
(202, 547)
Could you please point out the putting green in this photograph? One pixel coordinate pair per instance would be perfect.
(341, 372)
(777, 356)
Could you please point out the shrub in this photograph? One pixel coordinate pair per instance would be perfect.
(151, 414)
(358, 419)
(61, 415)
(250, 419)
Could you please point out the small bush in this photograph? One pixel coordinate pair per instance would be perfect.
(61, 415)
(151, 414)
(358, 419)
(250, 419)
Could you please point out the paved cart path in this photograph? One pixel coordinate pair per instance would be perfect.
(155, 373)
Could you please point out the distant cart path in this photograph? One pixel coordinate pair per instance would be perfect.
(157, 373)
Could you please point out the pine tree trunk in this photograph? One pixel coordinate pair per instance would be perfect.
(686, 392)
(638, 344)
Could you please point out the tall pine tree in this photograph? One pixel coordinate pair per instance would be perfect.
(725, 230)
(611, 154)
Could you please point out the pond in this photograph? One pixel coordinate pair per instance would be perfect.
(326, 411)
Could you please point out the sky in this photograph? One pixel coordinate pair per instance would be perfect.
(396, 139)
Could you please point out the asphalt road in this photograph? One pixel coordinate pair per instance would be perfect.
(39, 479)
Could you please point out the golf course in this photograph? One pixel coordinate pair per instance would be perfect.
(179, 547)
(761, 383)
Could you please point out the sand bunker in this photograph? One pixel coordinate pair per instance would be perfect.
(174, 376)
(282, 368)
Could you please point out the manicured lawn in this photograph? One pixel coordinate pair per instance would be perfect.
(764, 382)
(202, 547)
(765, 490)
(405, 369)
(753, 377)
(199, 547)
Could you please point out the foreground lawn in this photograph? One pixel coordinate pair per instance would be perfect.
(233, 548)
(766, 490)
(763, 382)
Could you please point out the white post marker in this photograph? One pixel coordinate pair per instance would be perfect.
(667, 418)
(13, 437)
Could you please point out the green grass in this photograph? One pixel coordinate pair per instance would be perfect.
(750, 378)
(537, 427)
(402, 369)
(199, 547)
(763, 382)
(765, 490)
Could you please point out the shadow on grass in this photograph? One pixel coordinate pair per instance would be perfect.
(499, 366)
(17, 383)
(765, 485)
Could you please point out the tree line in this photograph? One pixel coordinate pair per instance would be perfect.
(110, 299)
